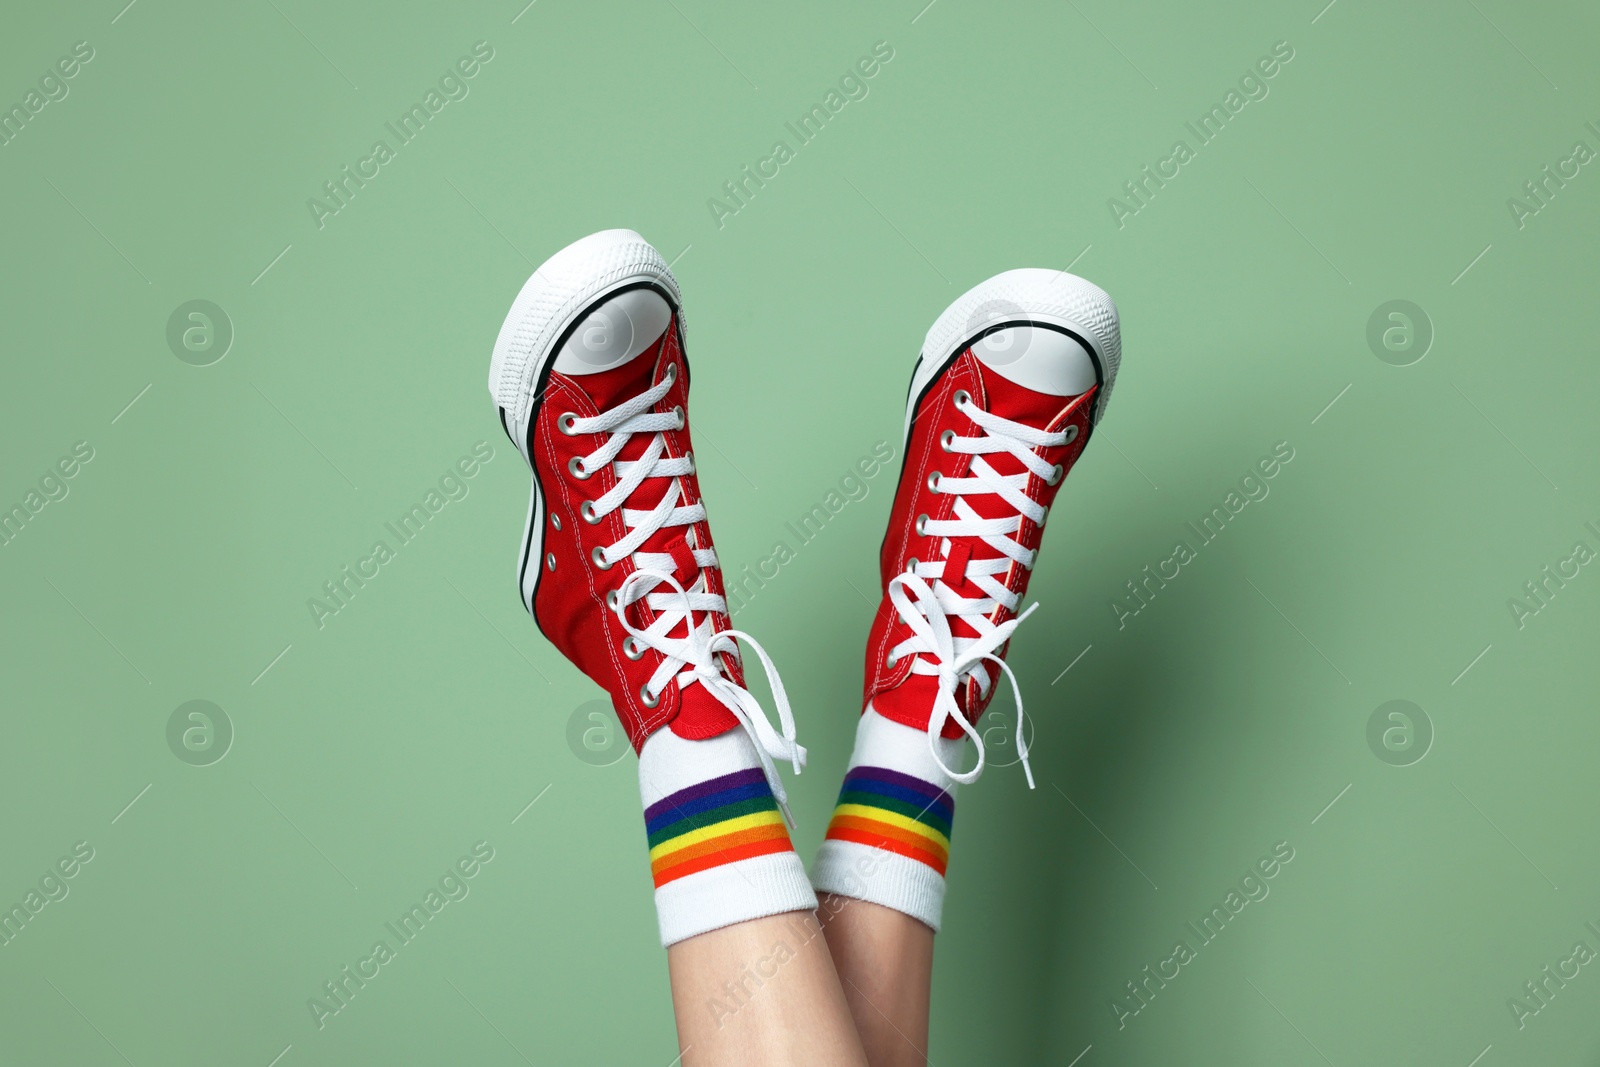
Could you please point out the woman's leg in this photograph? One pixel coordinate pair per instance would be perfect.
(880, 881)
(885, 964)
(752, 980)
(763, 992)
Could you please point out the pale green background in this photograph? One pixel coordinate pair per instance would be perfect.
(1223, 719)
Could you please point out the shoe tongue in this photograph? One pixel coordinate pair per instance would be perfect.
(618, 385)
(1017, 403)
(1005, 398)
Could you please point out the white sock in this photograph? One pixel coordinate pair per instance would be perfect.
(889, 840)
(720, 852)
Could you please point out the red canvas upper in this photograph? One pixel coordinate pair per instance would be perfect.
(570, 603)
(895, 691)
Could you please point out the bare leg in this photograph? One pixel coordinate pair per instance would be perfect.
(885, 962)
(762, 992)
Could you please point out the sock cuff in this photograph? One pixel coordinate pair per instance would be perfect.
(873, 874)
(733, 893)
(889, 839)
(719, 848)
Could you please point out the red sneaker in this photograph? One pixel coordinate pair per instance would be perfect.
(617, 564)
(1009, 385)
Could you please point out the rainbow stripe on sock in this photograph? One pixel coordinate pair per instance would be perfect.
(895, 812)
(721, 820)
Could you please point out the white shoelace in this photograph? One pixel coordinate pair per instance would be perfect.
(691, 658)
(696, 654)
(938, 650)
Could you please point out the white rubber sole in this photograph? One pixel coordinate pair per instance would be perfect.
(559, 295)
(1021, 297)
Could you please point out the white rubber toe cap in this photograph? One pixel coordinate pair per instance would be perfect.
(1044, 360)
(1031, 295)
(615, 332)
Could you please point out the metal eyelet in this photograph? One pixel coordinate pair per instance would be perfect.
(672, 372)
(911, 565)
(566, 422)
(1056, 474)
(933, 482)
(611, 599)
(646, 699)
(555, 520)
(1043, 517)
(947, 439)
(632, 648)
(678, 411)
(891, 659)
(1072, 434)
(690, 457)
(586, 510)
(550, 561)
(575, 466)
(922, 526)
(599, 557)
(960, 397)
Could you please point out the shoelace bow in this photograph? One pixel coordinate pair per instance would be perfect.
(691, 658)
(938, 649)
